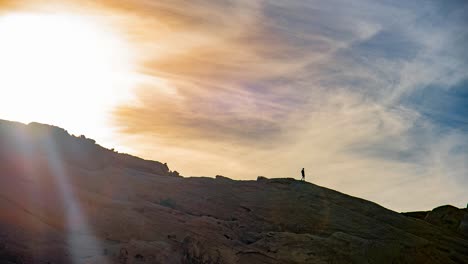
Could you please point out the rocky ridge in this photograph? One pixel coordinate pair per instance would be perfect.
(65, 199)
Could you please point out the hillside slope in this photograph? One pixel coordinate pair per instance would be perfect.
(64, 199)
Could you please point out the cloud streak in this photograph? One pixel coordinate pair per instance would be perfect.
(266, 88)
(349, 90)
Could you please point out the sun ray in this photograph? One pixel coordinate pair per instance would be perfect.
(81, 239)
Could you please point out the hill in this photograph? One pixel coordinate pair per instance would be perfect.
(65, 199)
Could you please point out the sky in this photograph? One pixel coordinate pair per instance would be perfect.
(370, 97)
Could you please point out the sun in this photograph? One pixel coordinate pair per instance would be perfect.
(63, 69)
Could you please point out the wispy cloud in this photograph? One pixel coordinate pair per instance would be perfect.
(350, 90)
(266, 88)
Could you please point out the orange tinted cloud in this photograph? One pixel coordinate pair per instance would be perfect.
(247, 88)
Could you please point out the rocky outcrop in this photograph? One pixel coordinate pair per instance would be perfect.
(33, 141)
(447, 217)
(57, 208)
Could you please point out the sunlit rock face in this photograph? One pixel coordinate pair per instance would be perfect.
(65, 199)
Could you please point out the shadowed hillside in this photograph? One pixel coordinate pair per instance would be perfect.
(65, 199)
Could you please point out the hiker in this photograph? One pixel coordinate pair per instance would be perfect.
(303, 174)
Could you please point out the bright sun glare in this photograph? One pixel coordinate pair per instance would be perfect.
(62, 69)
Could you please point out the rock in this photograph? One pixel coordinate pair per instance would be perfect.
(81, 152)
(463, 227)
(446, 216)
(222, 178)
(97, 206)
(420, 214)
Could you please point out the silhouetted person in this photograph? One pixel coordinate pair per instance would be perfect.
(303, 174)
